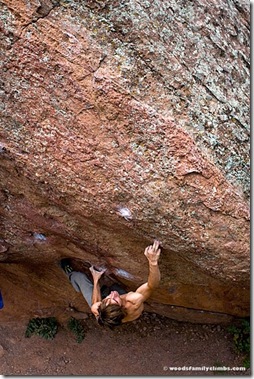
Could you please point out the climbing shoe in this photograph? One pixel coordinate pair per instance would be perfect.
(66, 267)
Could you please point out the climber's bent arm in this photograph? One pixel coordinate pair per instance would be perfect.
(94, 308)
(96, 295)
(96, 299)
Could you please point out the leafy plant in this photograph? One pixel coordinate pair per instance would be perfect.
(77, 328)
(219, 372)
(241, 338)
(43, 327)
(246, 362)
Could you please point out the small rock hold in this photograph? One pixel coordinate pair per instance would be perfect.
(3, 249)
(1, 351)
(39, 237)
(2, 149)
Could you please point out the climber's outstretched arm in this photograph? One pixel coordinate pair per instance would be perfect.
(152, 253)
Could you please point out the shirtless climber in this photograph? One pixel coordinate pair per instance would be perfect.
(116, 308)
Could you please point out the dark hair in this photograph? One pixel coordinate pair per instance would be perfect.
(110, 315)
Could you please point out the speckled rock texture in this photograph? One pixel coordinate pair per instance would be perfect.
(121, 122)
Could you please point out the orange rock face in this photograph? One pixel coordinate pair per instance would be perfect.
(120, 125)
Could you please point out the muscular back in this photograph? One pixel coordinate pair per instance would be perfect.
(133, 304)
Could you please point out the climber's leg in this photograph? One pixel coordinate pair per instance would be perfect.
(79, 280)
(82, 284)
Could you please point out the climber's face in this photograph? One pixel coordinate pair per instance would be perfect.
(113, 298)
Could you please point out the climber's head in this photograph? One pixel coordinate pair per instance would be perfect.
(111, 310)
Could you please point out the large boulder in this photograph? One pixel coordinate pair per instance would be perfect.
(123, 122)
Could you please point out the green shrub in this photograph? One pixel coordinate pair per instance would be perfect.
(43, 327)
(241, 338)
(246, 362)
(77, 328)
